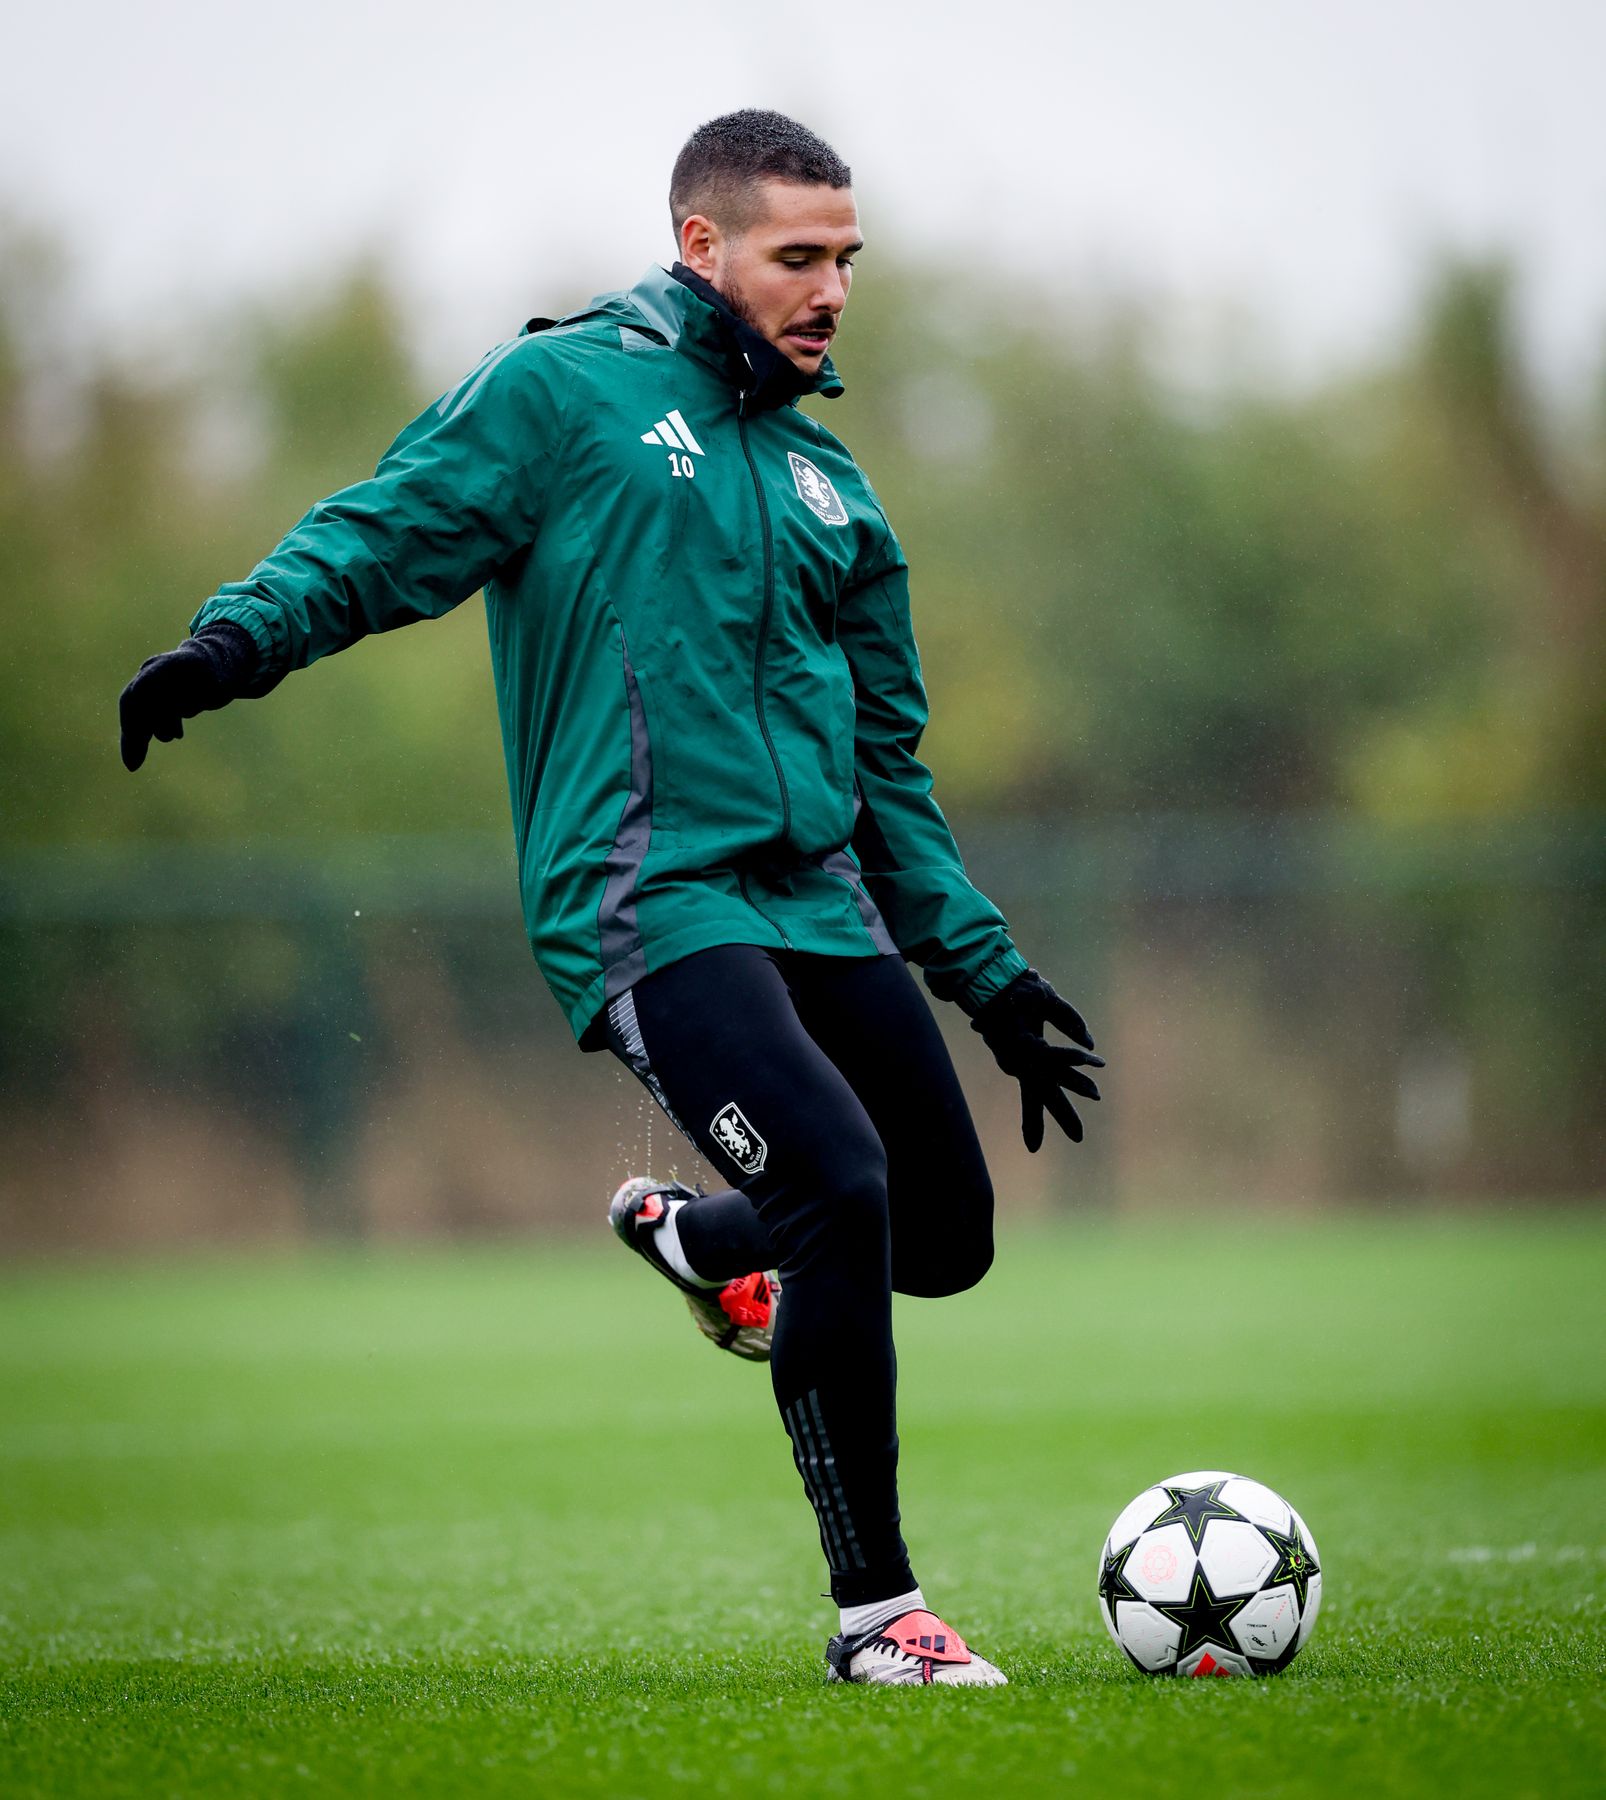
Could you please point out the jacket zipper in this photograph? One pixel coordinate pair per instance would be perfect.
(764, 618)
(741, 882)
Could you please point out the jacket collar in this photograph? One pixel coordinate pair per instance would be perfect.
(692, 316)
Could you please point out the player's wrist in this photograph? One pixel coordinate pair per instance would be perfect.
(999, 972)
(230, 652)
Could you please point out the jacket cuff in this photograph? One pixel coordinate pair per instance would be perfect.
(242, 634)
(972, 992)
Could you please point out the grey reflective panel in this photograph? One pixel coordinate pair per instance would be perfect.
(618, 930)
(840, 864)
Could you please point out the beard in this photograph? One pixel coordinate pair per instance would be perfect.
(739, 304)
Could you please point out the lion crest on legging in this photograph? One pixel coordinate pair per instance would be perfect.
(737, 1138)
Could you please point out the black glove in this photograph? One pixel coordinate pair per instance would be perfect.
(205, 672)
(1011, 1025)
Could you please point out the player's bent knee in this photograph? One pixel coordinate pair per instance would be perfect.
(938, 1259)
(971, 1273)
(953, 1274)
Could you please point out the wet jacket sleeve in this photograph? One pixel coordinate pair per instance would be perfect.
(456, 494)
(910, 861)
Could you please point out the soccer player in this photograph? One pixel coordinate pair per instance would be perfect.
(728, 849)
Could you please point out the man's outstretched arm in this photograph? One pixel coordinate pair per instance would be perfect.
(457, 493)
(914, 871)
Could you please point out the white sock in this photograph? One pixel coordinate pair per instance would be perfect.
(666, 1241)
(856, 1620)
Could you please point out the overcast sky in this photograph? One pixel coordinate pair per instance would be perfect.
(1304, 156)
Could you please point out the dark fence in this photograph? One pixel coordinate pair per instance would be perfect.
(205, 1045)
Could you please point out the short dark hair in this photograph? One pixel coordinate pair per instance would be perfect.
(722, 162)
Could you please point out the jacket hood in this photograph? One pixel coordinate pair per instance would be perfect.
(691, 316)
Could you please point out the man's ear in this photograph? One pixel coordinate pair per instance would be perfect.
(702, 246)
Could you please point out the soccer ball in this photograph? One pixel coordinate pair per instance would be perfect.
(1210, 1574)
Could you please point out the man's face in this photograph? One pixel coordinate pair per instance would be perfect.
(789, 272)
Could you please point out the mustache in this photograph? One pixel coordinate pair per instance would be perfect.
(821, 322)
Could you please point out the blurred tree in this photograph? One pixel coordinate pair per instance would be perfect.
(174, 484)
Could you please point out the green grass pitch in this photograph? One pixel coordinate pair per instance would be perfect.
(499, 1522)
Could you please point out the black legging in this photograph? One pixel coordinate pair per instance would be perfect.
(821, 1086)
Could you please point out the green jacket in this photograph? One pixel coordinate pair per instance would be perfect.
(709, 691)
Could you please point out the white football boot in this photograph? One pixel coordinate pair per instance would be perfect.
(916, 1650)
(738, 1317)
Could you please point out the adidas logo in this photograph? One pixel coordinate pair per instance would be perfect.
(675, 434)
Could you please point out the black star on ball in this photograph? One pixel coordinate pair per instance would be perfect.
(1296, 1562)
(1202, 1616)
(1195, 1508)
(1113, 1584)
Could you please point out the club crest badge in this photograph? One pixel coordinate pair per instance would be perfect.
(815, 491)
(740, 1142)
